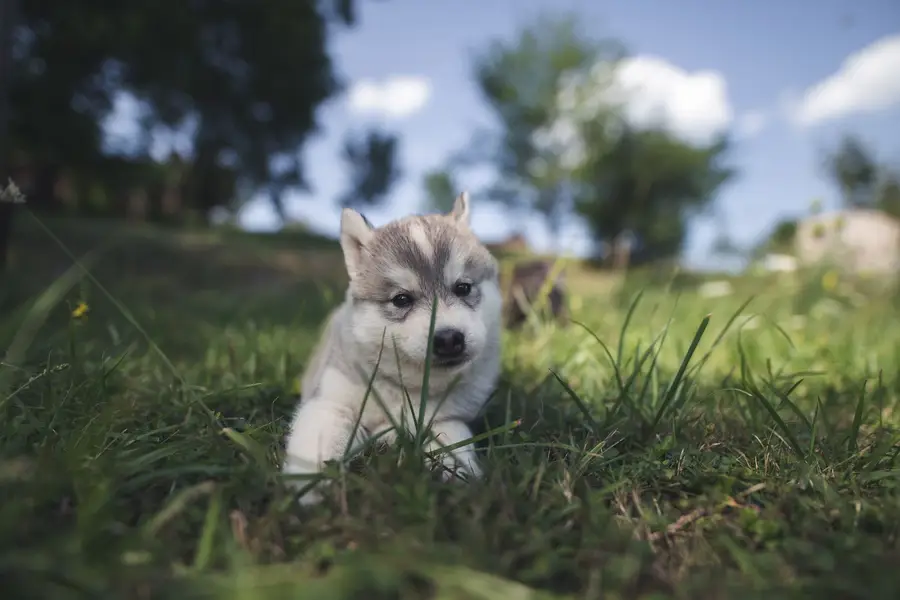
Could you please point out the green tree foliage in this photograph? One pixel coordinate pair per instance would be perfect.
(863, 180)
(784, 233)
(779, 240)
(250, 74)
(647, 184)
(247, 76)
(60, 88)
(8, 18)
(440, 190)
(563, 143)
(371, 160)
(889, 192)
(854, 170)
(520, 80)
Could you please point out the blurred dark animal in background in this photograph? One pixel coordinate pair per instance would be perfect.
(524, 287)
(516, 243)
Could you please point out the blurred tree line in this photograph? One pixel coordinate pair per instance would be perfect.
(241, 79)
(864, 180)
(564, 146)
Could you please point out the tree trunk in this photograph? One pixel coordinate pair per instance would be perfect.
(621, 251)
(277, 200)
(8, 14)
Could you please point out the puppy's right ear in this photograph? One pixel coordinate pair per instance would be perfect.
(460, 210)
(356, 232)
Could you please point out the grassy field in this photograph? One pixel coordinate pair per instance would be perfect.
(674, 446)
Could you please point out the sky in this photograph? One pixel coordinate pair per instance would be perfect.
(787, 78)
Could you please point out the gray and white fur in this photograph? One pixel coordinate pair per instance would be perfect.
(395, 273)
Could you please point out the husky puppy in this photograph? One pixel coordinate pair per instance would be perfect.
(395, 272)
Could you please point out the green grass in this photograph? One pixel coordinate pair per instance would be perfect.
(139, 444)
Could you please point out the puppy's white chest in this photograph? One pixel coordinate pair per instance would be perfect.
(384, 405)
(387, 406)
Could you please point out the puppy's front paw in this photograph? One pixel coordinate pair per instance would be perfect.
(310, 497)
(305, 484)
(457, 465)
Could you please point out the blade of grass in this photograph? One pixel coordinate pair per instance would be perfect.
(203, 555)
(540, 301)
(857, 419)
(621, 348)
(119, 306)
(365, 400)
(718, 339)
(612, 360)
(675, 384)
(782, 426)
(426, 375)
(250, 446)
(36, 317)
(177, 505)
(476, 438)
(786, 400)
(594, 426)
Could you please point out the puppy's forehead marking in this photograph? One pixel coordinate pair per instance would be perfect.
(428, 255)
(455, 267)
(419, 234)
(403, 277)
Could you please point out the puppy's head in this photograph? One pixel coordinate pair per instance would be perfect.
(397, 271)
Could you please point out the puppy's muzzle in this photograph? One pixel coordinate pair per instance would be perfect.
(449, 347)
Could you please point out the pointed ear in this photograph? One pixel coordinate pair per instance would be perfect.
(356, 232)
(460, 212)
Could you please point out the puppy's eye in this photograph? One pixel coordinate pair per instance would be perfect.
(462, 289)
(402, 300)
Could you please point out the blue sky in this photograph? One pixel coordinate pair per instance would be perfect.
(768, 56)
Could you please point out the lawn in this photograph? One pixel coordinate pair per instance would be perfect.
(669, 445)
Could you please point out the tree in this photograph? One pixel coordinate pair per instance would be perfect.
(60, 89)
(522, 80)
(647, 184)
(243, 79)
(8, 13)
(783, 234)
(440, 190)
(888, 192)
(780, 240)
(855, 171)
(250, 75)
(371, 160)
(864, 181)
(564, 143)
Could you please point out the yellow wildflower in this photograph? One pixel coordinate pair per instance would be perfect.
(80, 310)
(829, 280)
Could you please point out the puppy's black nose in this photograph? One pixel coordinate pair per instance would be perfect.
(449, 343)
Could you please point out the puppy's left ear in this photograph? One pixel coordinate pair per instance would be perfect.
(356, 232)
(460, 212)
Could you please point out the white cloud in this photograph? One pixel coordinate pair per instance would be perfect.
(395, 97)
(692, 105)
(867, 81)
(651, 92)
(750, 123)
